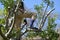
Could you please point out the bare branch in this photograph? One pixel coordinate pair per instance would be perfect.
(10, 29)
(45, 12)
(46, 17)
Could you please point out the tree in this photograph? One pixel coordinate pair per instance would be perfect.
(11, 11)
(47, 34)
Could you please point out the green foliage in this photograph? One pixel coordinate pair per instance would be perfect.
(49, 3)
(46, 1)
(7, 3)
(51, 23)
(31, 34)
(39, 8)
(3, 29)
(48, 33)
(2, 21)
(1, 12)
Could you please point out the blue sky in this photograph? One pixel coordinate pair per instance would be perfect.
(57, 5)
(30, 5)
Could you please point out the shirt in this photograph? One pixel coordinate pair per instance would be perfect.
(35, 23)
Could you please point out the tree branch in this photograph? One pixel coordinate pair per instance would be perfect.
(46, 17)
(10, 29)
(45, 12)
(8, 33)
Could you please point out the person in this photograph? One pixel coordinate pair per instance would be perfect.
(31, 21)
